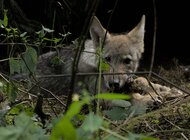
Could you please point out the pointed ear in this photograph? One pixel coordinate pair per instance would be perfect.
(137, 33)
(97, 31)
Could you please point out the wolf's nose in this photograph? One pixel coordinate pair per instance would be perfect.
(114, 85)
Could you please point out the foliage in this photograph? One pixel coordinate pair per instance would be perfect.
(23, 128)
(26, 64)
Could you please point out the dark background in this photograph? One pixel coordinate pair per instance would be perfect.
(173, 26)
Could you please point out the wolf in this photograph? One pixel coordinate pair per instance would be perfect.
(121, 52)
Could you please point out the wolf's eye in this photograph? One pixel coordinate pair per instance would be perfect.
(127, 61)
(108, 59)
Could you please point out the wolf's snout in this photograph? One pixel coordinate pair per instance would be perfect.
(114, 85)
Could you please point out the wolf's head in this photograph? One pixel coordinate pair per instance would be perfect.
(121, 52)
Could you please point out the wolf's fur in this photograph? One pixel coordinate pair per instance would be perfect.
(121, 51)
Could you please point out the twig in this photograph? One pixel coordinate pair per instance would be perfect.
(120, 128)
(149, 126)
(2, 60)
(168, 131)
(152, 89)
(67, 4)
(154, 39)
(53, 95)
(174, 126)
(113, 133)
(165, 80)
(27, 92)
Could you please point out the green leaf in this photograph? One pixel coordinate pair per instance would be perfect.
(14, 66)
(14, 111)
(65, 35)
(31, 131)
(55, 40)
(111, 96)
(10, 133)
(105, 66)
(1, 23)
(56, 60)
(30, 59)
(8, 30)
(40, 34)
(64, 129)
(138, 109)
(15, 31)
(116, 113)
(92, 123)
(75, 108)
(47, 29)
(11, 91)
(24, 128)
(120, 103)
(23, 34)
(5, 20)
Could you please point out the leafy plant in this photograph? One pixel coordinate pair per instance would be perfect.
(23, 128)
(26, 64)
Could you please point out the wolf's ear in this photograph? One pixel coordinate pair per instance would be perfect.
(137, 33)
(97, 31)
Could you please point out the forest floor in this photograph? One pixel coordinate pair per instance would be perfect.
(171, 120)
(168, 120)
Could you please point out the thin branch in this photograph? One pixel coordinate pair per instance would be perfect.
(113, 133)
(168, 131)
(67, 4)
(154, 39)
(182, 134)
